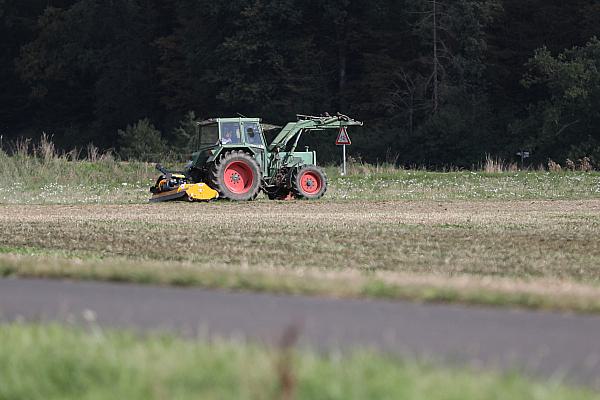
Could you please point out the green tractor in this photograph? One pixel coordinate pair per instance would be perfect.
(235, 162)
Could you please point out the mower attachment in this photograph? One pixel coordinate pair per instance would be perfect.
(176, 186)
(187, 191)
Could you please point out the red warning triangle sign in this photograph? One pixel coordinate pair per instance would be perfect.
(343, 137)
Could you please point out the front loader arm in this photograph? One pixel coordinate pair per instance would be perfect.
(310, 123)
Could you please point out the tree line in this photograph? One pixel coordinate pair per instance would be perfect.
(437, 82)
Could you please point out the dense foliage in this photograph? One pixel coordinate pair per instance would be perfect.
(437, 83)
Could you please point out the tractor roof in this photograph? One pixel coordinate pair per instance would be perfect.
(266, 127)
(233, 119)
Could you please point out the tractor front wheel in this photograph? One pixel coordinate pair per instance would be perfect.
(236, 176)
(309, 182)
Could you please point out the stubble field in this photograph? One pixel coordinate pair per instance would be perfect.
(526, 238)
(533, 253)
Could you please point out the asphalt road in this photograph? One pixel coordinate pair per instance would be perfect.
(543, 343)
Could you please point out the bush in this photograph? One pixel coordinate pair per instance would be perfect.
(141, 141)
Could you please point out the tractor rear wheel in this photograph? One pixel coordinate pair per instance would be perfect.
(309, 182)
(236, 176)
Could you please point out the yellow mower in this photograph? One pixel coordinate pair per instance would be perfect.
(175, 186)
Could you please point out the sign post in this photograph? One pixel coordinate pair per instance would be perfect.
(344, 160)
(342, 140)
(523, 154)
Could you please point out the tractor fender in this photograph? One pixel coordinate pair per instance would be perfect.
(222, 150)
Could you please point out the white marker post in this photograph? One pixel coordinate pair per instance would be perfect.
(342, 140)
(344, 158)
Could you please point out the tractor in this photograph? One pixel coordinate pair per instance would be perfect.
(234, 162)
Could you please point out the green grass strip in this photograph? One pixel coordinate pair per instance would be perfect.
(52, 362)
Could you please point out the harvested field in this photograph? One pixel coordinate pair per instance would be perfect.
(535, 253)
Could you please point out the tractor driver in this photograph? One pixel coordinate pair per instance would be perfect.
(253, 134)
(231, 133)
(253, 138)
(226, 138)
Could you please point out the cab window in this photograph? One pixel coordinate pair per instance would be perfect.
(230, 133)
(253, 136)
(209, 135)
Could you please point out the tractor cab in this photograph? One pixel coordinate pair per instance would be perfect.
(218, 136)
(231, 132)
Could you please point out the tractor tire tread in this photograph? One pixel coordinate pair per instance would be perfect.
(298, 193)
(216, 175)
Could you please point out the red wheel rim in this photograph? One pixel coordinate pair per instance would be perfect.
(310, 182)
(238, 177)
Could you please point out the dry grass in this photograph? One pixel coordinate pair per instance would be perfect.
(498, 165)
(539, 293)
(38, 174)
(533, 253)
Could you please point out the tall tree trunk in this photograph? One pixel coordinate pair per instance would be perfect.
(342, 40)
(435, 60)
(411, 118)
(342, 57)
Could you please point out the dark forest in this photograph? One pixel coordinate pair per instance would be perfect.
(437, 83)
